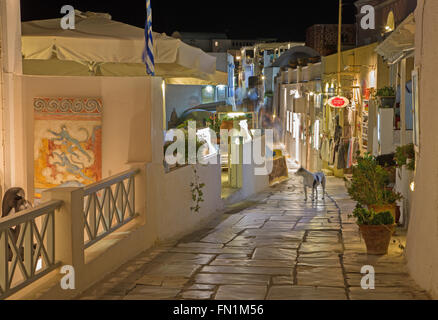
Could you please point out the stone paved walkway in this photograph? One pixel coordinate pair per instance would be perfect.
(280, 248)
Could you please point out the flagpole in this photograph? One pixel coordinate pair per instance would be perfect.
(148, 53)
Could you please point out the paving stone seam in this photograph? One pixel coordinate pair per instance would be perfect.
(341, 256)
(306, 232)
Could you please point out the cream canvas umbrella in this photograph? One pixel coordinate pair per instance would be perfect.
(103, 46)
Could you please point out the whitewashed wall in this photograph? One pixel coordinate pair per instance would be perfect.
(11, 151)
(422, 242)
(132, 138)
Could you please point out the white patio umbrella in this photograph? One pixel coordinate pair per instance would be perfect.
(101, 44)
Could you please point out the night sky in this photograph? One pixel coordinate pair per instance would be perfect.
(244, 19)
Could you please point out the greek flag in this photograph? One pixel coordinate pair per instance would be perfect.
(148, 53)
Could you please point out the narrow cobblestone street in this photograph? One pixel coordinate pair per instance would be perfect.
(280, 247)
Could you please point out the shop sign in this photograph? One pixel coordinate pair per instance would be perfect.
(338, 102)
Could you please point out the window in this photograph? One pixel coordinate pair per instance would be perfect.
(221, 93)
(415, 108)
(316, 135)
(207, 94)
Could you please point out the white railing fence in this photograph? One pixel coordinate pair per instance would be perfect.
(36, 241)
(27, 251)
(108, 205)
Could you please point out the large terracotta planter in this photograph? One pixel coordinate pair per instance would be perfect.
(377, 238)
(397, 214)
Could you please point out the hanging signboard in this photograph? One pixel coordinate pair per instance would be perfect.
(338, 102)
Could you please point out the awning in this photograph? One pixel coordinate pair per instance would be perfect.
(218, 78)
(294, 54)
(400, 43)
(97, 40)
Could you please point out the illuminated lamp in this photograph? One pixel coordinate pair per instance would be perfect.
(412, 186)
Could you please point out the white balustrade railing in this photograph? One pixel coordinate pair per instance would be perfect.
(27, 247)
(27, 239)
(108, 205)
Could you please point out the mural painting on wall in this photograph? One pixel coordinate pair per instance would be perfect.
(67, 142)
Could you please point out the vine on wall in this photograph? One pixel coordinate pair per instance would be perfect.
(197, 194)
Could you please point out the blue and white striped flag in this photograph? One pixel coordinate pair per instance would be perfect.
(148, 53)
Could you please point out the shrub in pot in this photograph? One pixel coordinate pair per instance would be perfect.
(369, 186)
(386, 95)
(387, 201)
(376, 229)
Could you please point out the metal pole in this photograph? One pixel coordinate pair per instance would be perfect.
(339, 47)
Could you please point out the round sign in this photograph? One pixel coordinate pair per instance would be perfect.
(338, 102)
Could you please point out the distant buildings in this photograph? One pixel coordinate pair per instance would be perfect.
(216, 42)
(250, 75)
(324, 38)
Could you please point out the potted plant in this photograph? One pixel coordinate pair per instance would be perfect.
(376, 229)
(369, 186)
(405, 156)
(386, 95)
(227, 123)
(387, 202)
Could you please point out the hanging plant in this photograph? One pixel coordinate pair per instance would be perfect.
(197, 194)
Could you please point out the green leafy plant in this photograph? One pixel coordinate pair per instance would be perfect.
(369, 183)
(183, 125)
(382, 218)
(214, 123)
(370, 217)
(228, 118)
(197, 194)
(405, 155)
(385, 92)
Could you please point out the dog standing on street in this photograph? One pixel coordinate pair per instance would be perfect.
(312, 180)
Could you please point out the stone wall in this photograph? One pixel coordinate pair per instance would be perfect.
(324, 37)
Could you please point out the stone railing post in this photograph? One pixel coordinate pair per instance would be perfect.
(140, 189)
(69, 229)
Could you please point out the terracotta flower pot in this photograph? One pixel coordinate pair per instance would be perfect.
(377, 238)
(227, 124)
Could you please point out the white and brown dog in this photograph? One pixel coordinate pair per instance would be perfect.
(312, 180)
